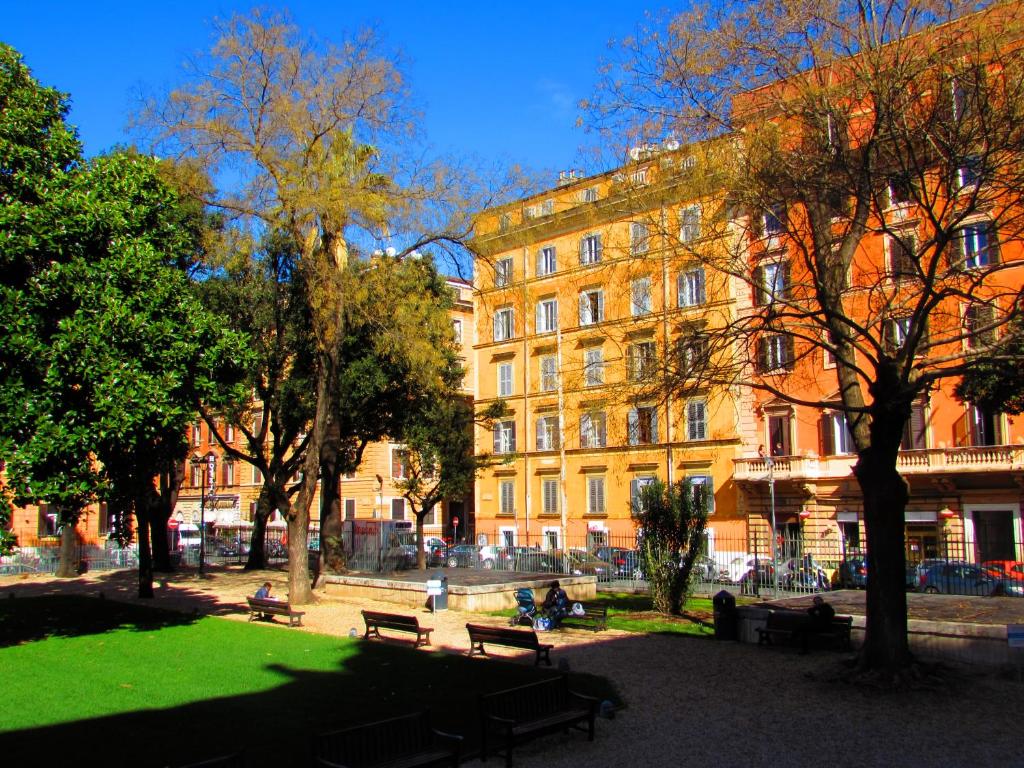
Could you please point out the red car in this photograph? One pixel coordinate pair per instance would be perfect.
(1005, 569)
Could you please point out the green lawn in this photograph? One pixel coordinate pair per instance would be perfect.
(89, 681)
(634, 613)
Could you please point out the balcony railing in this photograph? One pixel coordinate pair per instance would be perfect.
(931, 461)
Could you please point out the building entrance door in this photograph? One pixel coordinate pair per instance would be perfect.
(993, 531)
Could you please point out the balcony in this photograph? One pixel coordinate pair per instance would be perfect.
(995, 458)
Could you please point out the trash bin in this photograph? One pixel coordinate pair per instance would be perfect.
(725, 616)
(437, 592)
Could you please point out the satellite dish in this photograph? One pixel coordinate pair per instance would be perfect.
(671, 145)
(634, 153)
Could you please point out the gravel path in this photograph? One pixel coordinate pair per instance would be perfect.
(721, 704)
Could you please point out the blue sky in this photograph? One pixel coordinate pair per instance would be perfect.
(497, 81)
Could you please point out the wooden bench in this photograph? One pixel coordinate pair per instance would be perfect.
(518, 714)
(398, 742)
(512, 638)
(375, 621)
(265, 606)
(594, 617)
(797, 626)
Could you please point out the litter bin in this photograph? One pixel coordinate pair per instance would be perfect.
(437, 592)
(725, 616)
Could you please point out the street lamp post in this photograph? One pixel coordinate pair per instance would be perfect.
(770, 462)
(208, 475)
(380, 495)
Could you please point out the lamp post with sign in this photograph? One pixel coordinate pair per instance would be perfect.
(455, 529)
(770, 461)
(207, 477)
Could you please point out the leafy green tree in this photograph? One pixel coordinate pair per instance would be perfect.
(671, 523)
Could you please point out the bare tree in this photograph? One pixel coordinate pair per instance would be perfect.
(861, 164)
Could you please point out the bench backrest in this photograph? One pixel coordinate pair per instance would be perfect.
(375, 742)
(267, 602)
(392, 620)
(529, 701)
(524, 638)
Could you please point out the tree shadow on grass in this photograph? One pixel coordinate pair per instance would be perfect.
(275, 727)
(28, 619)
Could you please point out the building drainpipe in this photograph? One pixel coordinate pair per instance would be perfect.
(666, 296)
(562, 501)
(526, 404)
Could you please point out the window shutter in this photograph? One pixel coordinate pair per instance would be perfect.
(708, 492)
(600, 306)
(497, 437)
(700, 296)
(654, 425)
(601, 429)
(761, 356)
(790, 357)
(584, 319)
(634, 496)
(540, 317)
(585, 430)
(760, 294)
(782, 287)
(583, 250)
(633, 426)
(542, 443)
(540, 262)
(993, 244)
(827, 438)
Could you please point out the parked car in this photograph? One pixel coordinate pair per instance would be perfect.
(1010, 570)
(915, 569)
(462, 556)
(959, 578)
(624, 562)
(852, 573)
(492, 557)
(704, 568)
(533, 560)
(756, 577)
(580, 563)
(737, 568)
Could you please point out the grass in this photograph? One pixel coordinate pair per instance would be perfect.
(154, 688)
(635, 613)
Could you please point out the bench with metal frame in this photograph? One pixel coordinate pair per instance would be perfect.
(594, 617)
(406, 741)
(376, 620)
(798, 626)
(518, 714)
(511, 638)
(265, 606)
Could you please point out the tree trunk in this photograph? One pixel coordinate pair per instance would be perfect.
(886, 649)
(67, 565)
(160, 507)
(145, 555)
(257, 559)
(332, 547)
(421, 554)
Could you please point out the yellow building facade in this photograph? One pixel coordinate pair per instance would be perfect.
(583, 294)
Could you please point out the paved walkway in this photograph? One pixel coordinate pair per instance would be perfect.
(688, 699)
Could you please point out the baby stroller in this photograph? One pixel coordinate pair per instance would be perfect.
(526, 608)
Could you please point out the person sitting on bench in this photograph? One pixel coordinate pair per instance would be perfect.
(821, 615)
(556, 604)
(263, 593)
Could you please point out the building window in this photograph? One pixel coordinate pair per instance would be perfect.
(505, 436)
(903, 255)
(897, 331)
(915, 431)
(986, 426)
(505, 222)
(593, 430)
(694, 354)
(696, 420)
(504, 324)
(641, 360)
(702, 491)
(979, 326)
(588, 195)
(502, 273)
(978, 245)
(399, 463)
(547, 433)
(636, 488)
(546, 261)
(775, 353)
(197, 433)
(835, 434)
(457, 331)
(547, 315)
(690, 288)
(595, 496)
(638, 238)
(229, 433)
(350, 509)
(549, 495)
(593, 367)
(398, 509)
(47, 522)
(969, 173)
(638, 178)
(640, 294)
(229, 473)
(195, 475)
(771, 282)
(547, 208)
(504, 379)
(590, 249)
(772, 220)
(689, 224)
(591, 306)
(507, 497)
(642, 423)
(779, 435)
(257, 476)
(548, 373)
